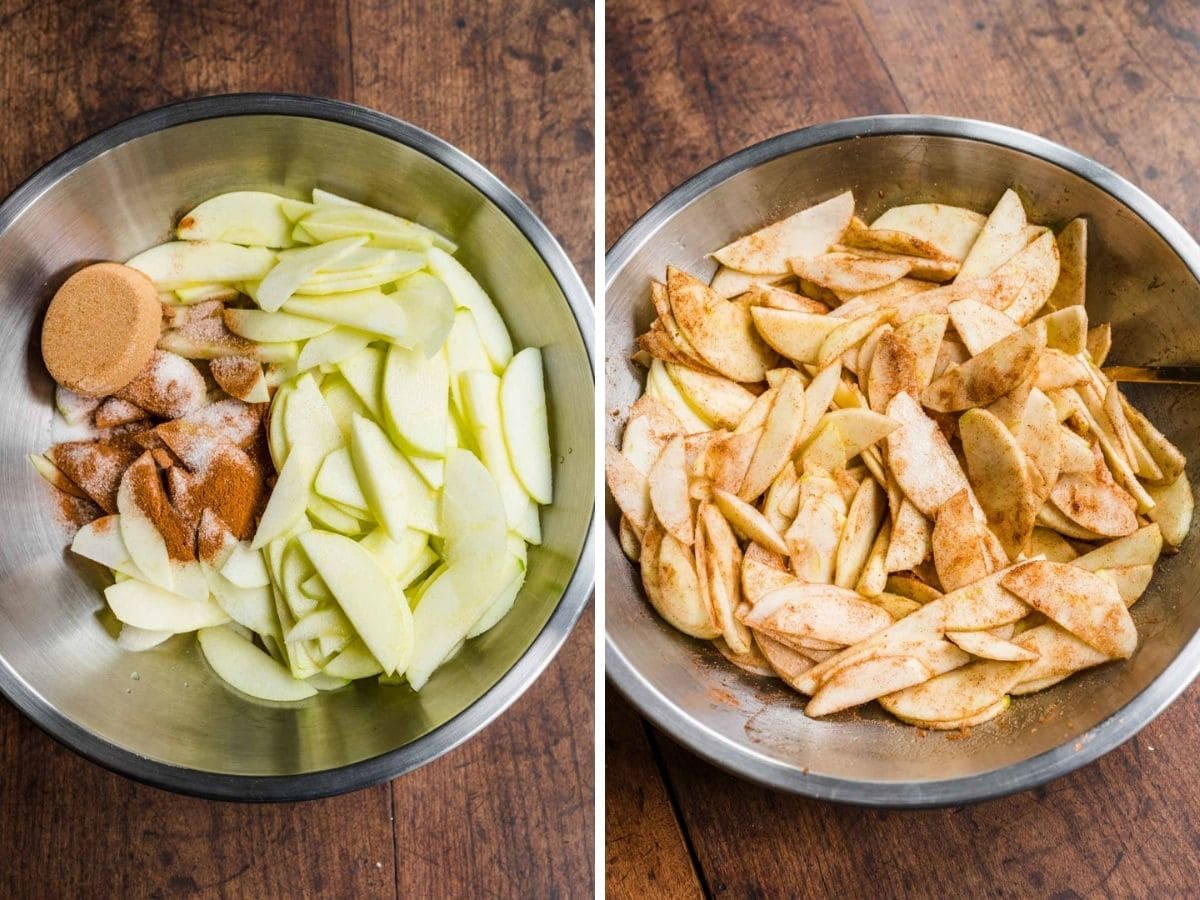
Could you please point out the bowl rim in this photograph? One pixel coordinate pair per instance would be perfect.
(575, 596)
(1114, 730)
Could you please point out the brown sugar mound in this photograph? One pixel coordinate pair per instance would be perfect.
(101, 329)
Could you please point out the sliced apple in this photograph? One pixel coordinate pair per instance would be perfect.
(369, 310)
(718, 399)
(749, 522)
(812, 540)
(150, 607)
(863, 520)
(979, 326)
(1002, 235)
(660, 386)
(863, 681)
(1071, 288)
(998, 472)
(727, 283)
(721, 331)
(958, 694)
(1143, 547)
(332, 347)
(821, 611)
(951, 230)
(336, 480)
(238, 217)
(468, 293)
(987, 376)
(986, 645)
(101, 542)
(526, 427)
(1059, 653)
(252, 607)
(1099, 343)
(1173, 509)
(481, 391)
(179, 263)
(781, 433)
(365, 594)
(1080, 601)
(958, 549)
(679, 599)
(416, 397)
(849, 272)
(723, 561)
(921, 459)
(289, 498)
(807, 233)
(395, 493)
(669, 491)
(140, 486)
(982, 605)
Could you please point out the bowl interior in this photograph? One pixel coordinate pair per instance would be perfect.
(1135, 280)
(56, 637)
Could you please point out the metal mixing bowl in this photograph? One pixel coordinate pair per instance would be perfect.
(1142, 277)
(176, 724)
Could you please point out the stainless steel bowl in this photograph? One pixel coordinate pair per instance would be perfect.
(175, 724)
(1142, 277)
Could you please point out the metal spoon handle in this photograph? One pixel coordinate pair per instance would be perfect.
(1155, 375)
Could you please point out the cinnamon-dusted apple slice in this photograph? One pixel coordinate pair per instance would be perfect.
(1057, 371)
(813, 537)
(873, 579)
(999, 475)
(728, 283)
(955, 695)
(982, 605)
(752, 661)
(727, 459)
(1130, 581)
(987, 645)
(911, 538)
(718, 399)
(987, 376)
(781, 433)
(1059, 654)
(788, 664)
(863, 520)
(1142, 548)
(723, 562)
(912, 587)
(660, 386)
(1002, 236)
(1036, 268)
(822, 611)
(720, 330)
(780, 298)
(849, 272)
(979, 325)
(649, 429)
(1071, 287)
(680, 602)
(630, 489)
(1050, 544)
(1066, 329)
(921, 459)
(874, 676)
(1080, 601)
(1099, 343)
(749, 522)
(807, 233)
(1166, 454)
(849, 335)
(950, 230)
(651, 547)
(669, 491)
(763, 572)
(782, 499)
(631, 544)
(796, 335)
(1041, 438)
(1173, 508)
(1094, 501)
(958, 549)
(961, 725)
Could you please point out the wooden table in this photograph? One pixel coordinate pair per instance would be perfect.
(509, 813)
(688, 84)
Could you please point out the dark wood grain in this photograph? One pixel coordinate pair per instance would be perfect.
(644, 848)
(509, 813)
(690, 83)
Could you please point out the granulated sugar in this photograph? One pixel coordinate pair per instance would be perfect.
(170, 386)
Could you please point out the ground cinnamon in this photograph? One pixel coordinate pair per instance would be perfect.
(237, 375)
(231, 485)
(148, 495)
(169, 386)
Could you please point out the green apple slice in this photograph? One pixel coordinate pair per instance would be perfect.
(332, 347)
(481, 391)
(146, 547)
(395, 493)
(464, 352)
(191, 294)
(364, 373)
(321, 623)
(502, 604)
(386, 229)
(392, 267)
(289, 274)
(277, 442)
(294, 570)
(336, 480)
(429, 309)
(467, 292)
(354, 662)
(100, 541)
(245, 567)
(273, 327)
(187, 580)
(395, 555)
(317, 589)
(180, 263)
(289, 498)
(343, 403)
(366, 595)
(137, 640)
(252, 607)
(248, 669)
(369, 310)
(148, 606)
(416, 392)
(307, 419)
(329, 515)
(526, 430)
(238, 217)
